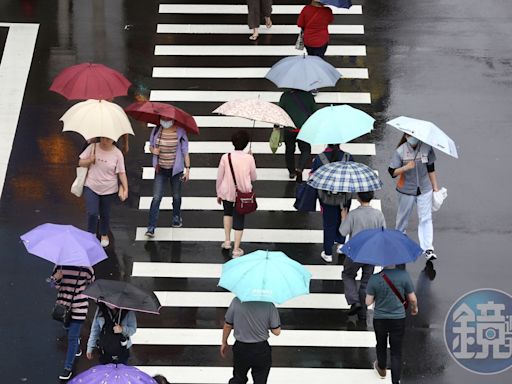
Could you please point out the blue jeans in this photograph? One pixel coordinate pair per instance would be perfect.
(74, 328)
(161, 178)
(98, 206)
(331, 219)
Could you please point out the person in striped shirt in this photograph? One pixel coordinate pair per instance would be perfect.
(70, 282)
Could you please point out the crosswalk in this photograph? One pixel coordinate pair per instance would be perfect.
(199, 77)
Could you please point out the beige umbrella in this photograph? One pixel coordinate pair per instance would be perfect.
(97, 118)
(256, 110)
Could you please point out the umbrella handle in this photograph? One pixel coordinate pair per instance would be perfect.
(119, 318)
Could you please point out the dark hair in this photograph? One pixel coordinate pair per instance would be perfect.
(160, 379)
(402, 140)
(335, 154)
(240, 139)
(365, 197)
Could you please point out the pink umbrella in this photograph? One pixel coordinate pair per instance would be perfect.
(256, 110)
(113, 374)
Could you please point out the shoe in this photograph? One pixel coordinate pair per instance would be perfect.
(298, 174)
(150, 232)
(292, 175)
(177, 222)
(338, 249)
(314, 92)
(226, 245)
(104, 242)
(66, 374)
(381, 372)
(254, 37)
(430, 255)
(237, 253)
(327, 258)
(79, 353)
(354, 308)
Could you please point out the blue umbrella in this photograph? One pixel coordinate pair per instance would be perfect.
(382, 247)
(338, 3)
(113, 374)
(265, 276)
(335, 125)
(303, 72)
(345, 176)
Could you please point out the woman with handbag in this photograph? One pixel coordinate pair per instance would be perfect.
(71, 306)
(236, 172)
(106, 170)
(256, 11)
(314, 19)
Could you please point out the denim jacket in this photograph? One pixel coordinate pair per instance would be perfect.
(181, 150)
(129, 324)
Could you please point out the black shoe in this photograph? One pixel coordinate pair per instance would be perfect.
(298, 174)
(66, 374)
(354, 308)
(292, 175)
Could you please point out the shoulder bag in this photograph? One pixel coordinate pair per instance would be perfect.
(245, 202)
(62, 312)
(77, 187)
(404, 302)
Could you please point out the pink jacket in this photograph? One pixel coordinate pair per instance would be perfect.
(245, 172)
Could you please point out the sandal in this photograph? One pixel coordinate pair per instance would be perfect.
(237, 253)
(268, 22)
(226, 245)
(254, 36)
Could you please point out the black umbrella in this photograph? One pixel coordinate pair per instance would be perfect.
(123, 295)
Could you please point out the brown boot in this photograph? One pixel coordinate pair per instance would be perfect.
(381, 372)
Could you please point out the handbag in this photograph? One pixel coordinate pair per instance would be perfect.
(299, 44)
(62, 312)
(305, 198)
(77, 188)
(276, 139)
(245, 202)
(404, 302)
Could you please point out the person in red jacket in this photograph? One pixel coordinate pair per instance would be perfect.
(314, 20)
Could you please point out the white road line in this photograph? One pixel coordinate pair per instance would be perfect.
(223, 96)
(287, 338)
(244, 29)
(242, 9)
(14, 70)
(217, 234)
(198, 173)
(238, 72)
(360, 149)
(252, 50)
(223, 299)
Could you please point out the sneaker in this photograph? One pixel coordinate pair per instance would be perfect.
(354, 308)
(177, 222)
(150, 232)
(327, 258)
(237, 253)
(79, 352)
(104, 242)
(381, 372)
(66, 374)
(298, 172)
(430, 255)
(338, 249)
(292, 175)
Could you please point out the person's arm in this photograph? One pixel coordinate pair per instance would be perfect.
(186, 172)
(220, 177)
(94, 335)
(413, 302)
(394, 172)
(276, 331)
(87, 157)
(433, 180)
(129, 324)
(275, 321)
(254, 175)
(370, 299)
(226, 331)
(301, 20)
(346, 223)
(123, 191)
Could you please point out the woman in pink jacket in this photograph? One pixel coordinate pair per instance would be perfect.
(244, 168)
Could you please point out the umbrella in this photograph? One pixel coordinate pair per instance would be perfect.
(426, 132)
(345, 176)
(338, 3)
(97, 118)
(303, 72)
(150, 112)
(113, 374)
(382, 247)
(64, 245)
(265, 276)
(256, 110)
(90, 81)
(335, 124)
(123, 295)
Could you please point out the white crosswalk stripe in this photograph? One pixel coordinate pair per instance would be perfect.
(254, 50)
(225, 9)
(243, 29)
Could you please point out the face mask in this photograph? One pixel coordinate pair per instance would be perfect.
(166, 123)
(412, 140)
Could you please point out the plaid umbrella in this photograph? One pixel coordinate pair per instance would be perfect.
(345, 176)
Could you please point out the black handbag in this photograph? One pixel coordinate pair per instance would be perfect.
(62, 312)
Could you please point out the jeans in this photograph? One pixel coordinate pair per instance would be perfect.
(161, 177)
(331, 219)
(254, 356)
(74, 328)
(394, 329)
(98, 206)
(348, 276)
(317, 51)
(290, 138)
(424, 206)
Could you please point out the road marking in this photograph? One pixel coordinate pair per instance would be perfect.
(244, 29)
(226, 9)
(14, 71)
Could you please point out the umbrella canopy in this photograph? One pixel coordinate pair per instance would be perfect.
(426, 132)
(338, 3)
(97, 118)
(345, 176)
(382, 247)
(335, 125)
(303, 72)
(123, 295)
(64, 245)
(265, 276)
(256, 110)
(150, 112)
(90, 81)
(113, 374)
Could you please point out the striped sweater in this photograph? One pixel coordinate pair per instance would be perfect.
(80, 277)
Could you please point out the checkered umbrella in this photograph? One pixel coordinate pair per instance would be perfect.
(345, 176)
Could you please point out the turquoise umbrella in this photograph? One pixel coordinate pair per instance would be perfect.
(335, 125)
(265, 276)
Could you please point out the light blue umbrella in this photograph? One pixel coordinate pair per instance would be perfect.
(335, 125)
(303, 72)
(265, 276)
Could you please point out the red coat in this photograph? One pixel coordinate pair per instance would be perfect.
(314, 21)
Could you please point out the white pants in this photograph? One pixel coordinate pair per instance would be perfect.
(424, 206)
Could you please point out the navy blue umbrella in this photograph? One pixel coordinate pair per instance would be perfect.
(338, 3)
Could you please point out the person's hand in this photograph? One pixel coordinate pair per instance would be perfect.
(123, 193)
(410, 165)
(414, 311)
(186, 175)
(223, 350)
(57, 275)
(344, 213)
(154, 150)
(436, 189)
(118, 329)
(219, 200)
(89, 355)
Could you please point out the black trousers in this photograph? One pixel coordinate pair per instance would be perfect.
(394, 329)
(317, 51)
(238, 219)
(254, 356)
(290, 138)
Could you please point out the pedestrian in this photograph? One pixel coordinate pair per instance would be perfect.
(71, 281)
(314, 19)
(106, 171)
(299, 105)
(413, 162)
(111, 332)
(243, 166)
(353, 222)
(389, 316)
(160, 379)
(331, 203)
(256, 9)
(169, 145)
(251, 322)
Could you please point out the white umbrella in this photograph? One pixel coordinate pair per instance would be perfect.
(256, 110)
(97, 118)
(427, 132)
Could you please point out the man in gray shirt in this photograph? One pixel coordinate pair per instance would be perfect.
(361, 218)
(251, 321)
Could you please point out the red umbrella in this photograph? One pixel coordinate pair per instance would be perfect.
(150, 112)
(90, 81)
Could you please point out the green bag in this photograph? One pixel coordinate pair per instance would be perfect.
(276, 139)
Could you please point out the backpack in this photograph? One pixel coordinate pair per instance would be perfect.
(340, 199)
(109, 343)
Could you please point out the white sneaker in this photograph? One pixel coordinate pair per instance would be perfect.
(105, 242)
(327, 258)
(430, 255)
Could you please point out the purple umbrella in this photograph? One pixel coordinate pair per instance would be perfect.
(113, 374)
(64, 245)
